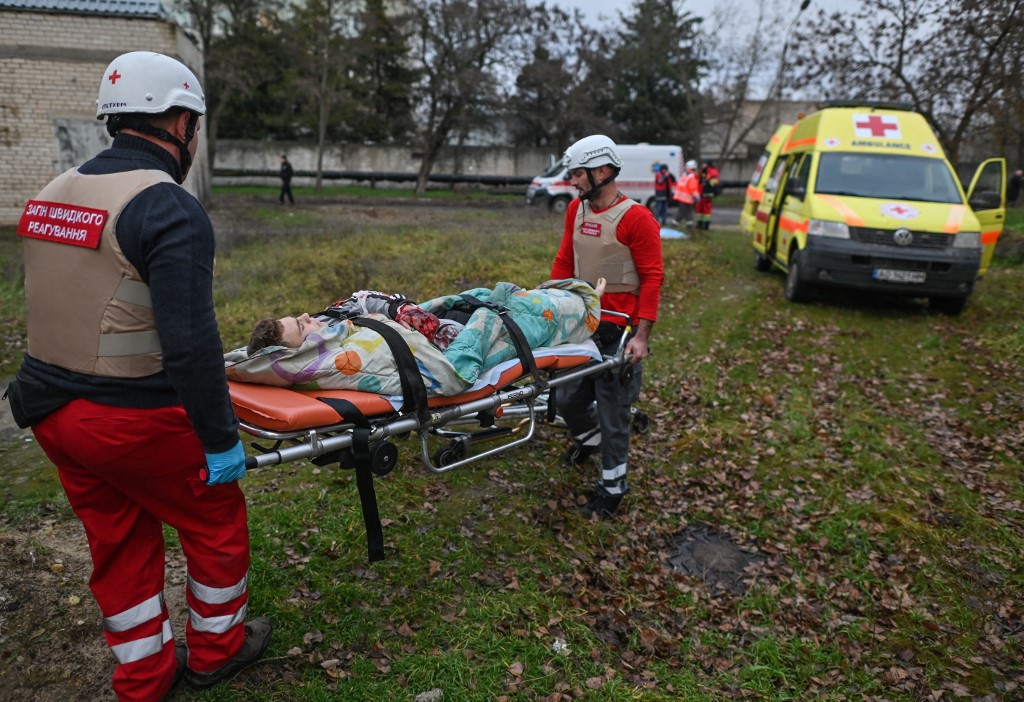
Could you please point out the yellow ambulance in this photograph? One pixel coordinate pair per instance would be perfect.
(861, 195)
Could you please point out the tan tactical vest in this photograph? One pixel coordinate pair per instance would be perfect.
(88, 309)
(599, 254)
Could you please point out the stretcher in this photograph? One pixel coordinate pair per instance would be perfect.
(356, 429)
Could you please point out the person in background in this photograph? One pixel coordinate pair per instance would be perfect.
(664, 182)
(124, 385)
(1013, 191)
(709, 182)
(286, 180)
(608, 235)
(687, 195)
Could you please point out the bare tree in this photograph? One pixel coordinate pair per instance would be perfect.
(465, 50)
(318, 35)
(947, 58)
(743, 86)
(239, 42)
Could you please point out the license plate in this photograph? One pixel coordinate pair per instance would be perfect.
(894, 276)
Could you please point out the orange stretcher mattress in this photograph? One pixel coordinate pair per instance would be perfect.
(285, 409)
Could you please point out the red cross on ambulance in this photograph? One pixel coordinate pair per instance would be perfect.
(877, 126)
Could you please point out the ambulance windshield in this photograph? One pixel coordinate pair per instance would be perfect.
(887, 176)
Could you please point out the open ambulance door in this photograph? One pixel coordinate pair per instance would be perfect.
(767, 223)
(987, 197)
(792, 219)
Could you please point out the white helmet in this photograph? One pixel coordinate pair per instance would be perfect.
(591, 152)
(691, 165)
(145, 82)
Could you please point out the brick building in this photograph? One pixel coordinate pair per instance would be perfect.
(52, 56)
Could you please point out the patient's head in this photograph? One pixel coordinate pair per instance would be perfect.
(287, 331)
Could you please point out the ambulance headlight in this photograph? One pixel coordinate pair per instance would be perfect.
(821, 227)
(967, 240)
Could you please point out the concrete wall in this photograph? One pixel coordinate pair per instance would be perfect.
(51, 65)
(470, 160)
(237, 154)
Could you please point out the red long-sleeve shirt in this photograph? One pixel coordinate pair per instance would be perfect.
(642, 234)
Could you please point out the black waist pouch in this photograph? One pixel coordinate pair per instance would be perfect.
(607, 333)
(33, 401)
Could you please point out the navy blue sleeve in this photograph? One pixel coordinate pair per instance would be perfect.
(167, 235)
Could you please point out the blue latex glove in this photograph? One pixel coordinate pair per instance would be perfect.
(226, 466)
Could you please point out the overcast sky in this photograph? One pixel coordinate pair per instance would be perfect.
(594, 10)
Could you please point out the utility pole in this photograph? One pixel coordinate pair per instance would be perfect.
(776, 91)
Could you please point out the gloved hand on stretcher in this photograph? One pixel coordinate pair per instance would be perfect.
(226, 466)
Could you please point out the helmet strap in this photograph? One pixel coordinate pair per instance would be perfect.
(596, 187)
(141, 125)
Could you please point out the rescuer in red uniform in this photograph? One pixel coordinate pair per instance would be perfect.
(123, 384)
(608, 235)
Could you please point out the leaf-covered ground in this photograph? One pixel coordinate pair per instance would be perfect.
(827, 505)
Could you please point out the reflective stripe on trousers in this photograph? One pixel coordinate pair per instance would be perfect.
(221, 623)
(127, 472)
(614, 419)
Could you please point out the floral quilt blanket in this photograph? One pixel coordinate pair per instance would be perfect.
(346, 356)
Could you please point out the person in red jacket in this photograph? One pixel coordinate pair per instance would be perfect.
(688, 195)
(664, 183)
(608, 235)
(708, 189)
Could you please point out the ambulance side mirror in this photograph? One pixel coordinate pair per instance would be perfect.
(797, 189)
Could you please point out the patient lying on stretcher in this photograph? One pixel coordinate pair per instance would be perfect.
(439, 330)
(292, 331)
(452, 344)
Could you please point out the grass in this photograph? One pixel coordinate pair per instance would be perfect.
(867, 448)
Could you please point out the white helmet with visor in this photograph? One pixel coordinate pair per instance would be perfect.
(591, 152)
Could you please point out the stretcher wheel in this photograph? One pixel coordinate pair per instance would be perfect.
(446, 455)
(383, 458)
(626, 374)
(641, 422)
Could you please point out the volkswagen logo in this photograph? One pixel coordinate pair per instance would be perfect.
(903, 237)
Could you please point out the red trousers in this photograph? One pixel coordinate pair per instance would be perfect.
(127, 472)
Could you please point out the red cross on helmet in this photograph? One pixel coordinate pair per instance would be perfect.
(145, 82)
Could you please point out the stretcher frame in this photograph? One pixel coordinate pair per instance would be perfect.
(514, 401)
(365, 444)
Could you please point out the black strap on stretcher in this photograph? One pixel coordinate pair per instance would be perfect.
(515, 333)
(414, 394)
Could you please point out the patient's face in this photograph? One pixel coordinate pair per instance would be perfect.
(295, 329)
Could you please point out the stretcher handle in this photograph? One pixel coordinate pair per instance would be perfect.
(250, 463)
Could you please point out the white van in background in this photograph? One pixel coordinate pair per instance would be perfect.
(636, 179)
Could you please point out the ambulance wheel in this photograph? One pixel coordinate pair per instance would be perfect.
(951, 306)
(641, 423)
(761, 262)
(797, 290)
(447, 455)
(559, 204)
